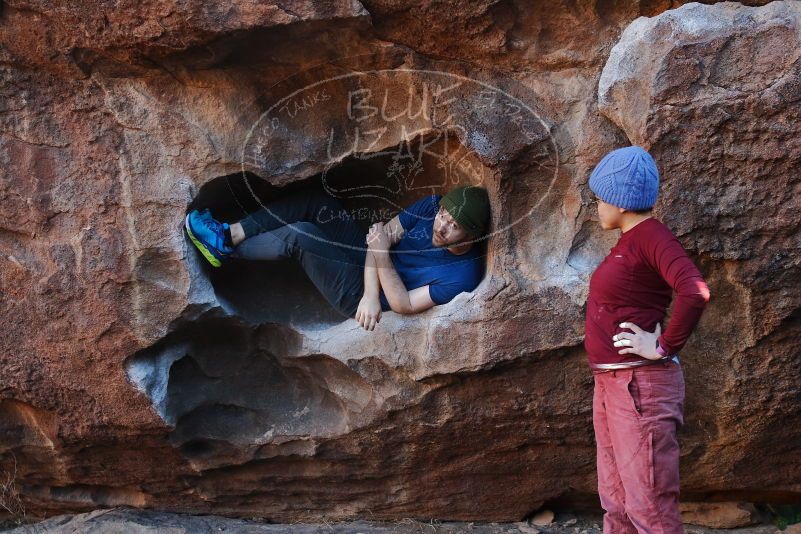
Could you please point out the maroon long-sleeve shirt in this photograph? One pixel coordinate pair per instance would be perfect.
(634, 283)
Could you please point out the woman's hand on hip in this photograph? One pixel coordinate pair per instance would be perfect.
(639, 341)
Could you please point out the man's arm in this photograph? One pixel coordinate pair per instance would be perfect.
(394, 230)
(368, 314)
(372, 285)
(400, 300)
(381, 238)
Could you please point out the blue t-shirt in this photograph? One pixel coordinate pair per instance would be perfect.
(419, 263)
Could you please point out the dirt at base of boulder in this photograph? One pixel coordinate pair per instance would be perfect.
(138, 521)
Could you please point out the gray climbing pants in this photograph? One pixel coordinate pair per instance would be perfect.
(317, 231)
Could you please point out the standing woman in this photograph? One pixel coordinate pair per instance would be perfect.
(639, 386)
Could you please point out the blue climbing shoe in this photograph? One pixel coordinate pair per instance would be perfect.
(208, 236)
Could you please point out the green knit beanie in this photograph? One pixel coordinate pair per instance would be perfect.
(470, 207)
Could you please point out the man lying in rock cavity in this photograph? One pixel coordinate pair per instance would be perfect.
(422, 257)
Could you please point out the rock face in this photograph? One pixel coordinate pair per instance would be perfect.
(131, 373)
(719, 514)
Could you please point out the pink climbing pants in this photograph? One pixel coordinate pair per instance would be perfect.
(636, 415)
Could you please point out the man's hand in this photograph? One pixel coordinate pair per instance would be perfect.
(368, 314)
(640, 342)
(377, 238)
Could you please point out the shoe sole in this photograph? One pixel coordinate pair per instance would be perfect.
(209, 255)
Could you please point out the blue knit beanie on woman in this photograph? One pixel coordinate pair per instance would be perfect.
(627, 178)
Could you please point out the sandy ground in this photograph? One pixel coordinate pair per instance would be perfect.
(136, 521)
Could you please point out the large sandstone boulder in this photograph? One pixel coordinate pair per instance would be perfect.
(131, 373)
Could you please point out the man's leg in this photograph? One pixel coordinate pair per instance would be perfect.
(324, 211)
(337, 275)
(610, 487)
